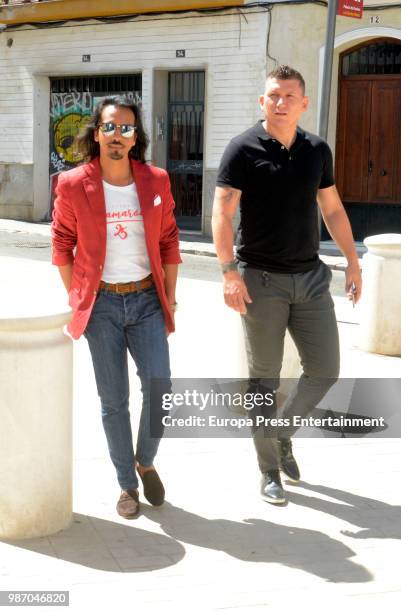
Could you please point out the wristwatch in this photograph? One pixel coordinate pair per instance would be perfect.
(174, 306)
(230, 266)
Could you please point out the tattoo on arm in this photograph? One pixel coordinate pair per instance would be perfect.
(226, 200)
(229, 195)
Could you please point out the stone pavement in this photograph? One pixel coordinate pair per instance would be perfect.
(215, 545)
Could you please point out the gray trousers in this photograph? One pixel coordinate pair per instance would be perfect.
(302, 303)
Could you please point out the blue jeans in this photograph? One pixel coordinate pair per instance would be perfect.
(118, 322)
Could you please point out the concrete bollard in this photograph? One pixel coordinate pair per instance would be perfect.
(380, 309)
(35, 404)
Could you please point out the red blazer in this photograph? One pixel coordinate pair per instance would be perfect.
(79, 220)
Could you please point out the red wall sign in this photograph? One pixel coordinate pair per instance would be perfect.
(350, 8)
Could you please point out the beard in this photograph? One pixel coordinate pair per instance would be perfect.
(115, 155)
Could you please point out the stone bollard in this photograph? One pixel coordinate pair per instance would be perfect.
(380, 309)
(35, 402)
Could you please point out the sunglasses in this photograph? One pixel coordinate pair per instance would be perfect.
(127, 130)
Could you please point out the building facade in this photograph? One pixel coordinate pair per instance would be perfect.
(198, 69)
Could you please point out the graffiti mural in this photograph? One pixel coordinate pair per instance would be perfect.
(73, 101)
(65, 131)
(69, 112)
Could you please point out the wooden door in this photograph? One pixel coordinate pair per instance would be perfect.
(368, 165)
(384, 183)
(353, 137)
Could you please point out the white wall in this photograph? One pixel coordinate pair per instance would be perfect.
(229, 47)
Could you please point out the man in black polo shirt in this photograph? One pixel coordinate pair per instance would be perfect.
(277, 172)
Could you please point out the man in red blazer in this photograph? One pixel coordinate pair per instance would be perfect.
(115, 242)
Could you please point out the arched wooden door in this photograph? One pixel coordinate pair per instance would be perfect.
(368, 159)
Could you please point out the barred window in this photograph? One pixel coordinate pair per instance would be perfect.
(113, 84)
(375, 58)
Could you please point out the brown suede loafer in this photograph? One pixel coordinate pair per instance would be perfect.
(153, 488)
(128, 504)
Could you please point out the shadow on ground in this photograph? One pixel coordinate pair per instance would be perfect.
(261, 541)
(375, 518)
(105, 545)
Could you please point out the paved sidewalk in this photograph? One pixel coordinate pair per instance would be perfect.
(191, 244)
(215, 545)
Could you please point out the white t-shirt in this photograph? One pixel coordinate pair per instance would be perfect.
(126, 253)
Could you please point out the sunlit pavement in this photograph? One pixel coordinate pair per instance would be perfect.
(215, 544)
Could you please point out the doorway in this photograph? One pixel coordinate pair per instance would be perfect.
(185, 127)
(368, 161)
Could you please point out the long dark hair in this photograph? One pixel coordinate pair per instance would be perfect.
(86, 143)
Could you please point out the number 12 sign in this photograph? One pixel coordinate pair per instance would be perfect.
(350, 8)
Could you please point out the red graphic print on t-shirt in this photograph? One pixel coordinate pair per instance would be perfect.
(121, 231)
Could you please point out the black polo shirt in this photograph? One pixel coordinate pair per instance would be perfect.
(278, 229)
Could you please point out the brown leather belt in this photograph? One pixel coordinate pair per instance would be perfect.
(145, 283)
